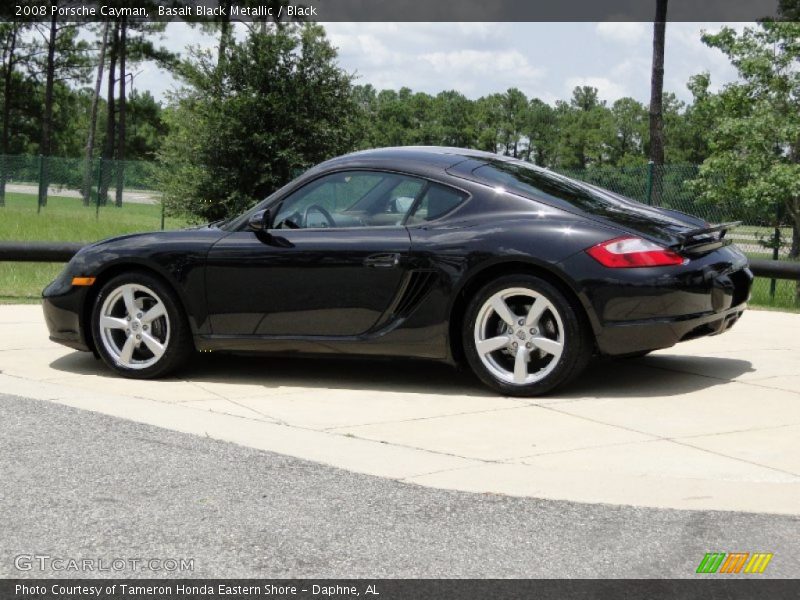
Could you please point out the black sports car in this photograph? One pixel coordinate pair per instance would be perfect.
(438, 253)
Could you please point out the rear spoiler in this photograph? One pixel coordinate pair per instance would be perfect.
(705, 239)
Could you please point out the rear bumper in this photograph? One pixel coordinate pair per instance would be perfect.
(654, 334)
(635, 310)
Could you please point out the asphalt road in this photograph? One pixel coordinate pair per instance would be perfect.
(80, 485)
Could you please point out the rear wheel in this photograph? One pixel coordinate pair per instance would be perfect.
(522, 337)
(138, 327)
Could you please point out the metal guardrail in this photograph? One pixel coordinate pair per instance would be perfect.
(38, 251)
(63, 251)
(776, 269)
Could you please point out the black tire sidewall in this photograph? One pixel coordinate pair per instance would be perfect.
(576, 347)
(177, 348)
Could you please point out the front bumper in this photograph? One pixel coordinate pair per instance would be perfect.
(63, 314)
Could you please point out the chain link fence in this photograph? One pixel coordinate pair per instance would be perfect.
(125, 194)
(35, 180)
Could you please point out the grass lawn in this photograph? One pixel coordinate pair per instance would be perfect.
(63, 220)
(784, 294)
(67, 220)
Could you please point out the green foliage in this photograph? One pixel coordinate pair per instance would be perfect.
(630, 121)
(454, 120)
(582, 133)
(687, 133)
(262, 110)
(755, 139)
(146, 126)
(241, 129)
(754, 143)
(17, 87)
(588, 128)
(543, 133)
(789, 9)
(488, 121)
(514, 119)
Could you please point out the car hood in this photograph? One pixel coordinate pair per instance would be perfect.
(150, 243)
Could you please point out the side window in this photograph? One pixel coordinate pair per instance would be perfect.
(350, 199)
(436, 202)
(403, 196)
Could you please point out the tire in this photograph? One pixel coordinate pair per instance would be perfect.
(524, 352)
(164, 341)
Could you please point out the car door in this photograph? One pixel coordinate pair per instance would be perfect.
(330, 265)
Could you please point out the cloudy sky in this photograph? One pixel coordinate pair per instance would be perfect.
(544, 60)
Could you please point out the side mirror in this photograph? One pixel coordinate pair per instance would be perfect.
(259, 221)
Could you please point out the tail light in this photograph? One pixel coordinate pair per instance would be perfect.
(631, 252)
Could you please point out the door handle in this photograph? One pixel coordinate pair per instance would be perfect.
(382, 261)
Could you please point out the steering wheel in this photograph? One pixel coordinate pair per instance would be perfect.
(320, 210)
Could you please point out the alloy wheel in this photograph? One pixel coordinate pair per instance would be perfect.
(134, 326)
(519, 336)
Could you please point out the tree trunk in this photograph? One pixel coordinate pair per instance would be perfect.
(122, 106)
(87, 174)
(225, 32)
(47, 120)
(8, 77)
(656, 98)
(108, 146)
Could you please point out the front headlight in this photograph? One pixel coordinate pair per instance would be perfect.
(61, 284)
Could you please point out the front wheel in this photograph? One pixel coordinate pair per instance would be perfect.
(138, 327)
(522, 337)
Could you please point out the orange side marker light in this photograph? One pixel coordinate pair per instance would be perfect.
(83, 281)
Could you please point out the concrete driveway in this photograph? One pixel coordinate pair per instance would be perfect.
(710, 424)
(83, 484)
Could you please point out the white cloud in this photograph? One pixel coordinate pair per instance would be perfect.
(508, 66)
(431, 57)
(607, 89)
(544, 60)
(629, 33)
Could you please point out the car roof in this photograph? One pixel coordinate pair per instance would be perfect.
(427, 157)
(431, 151)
